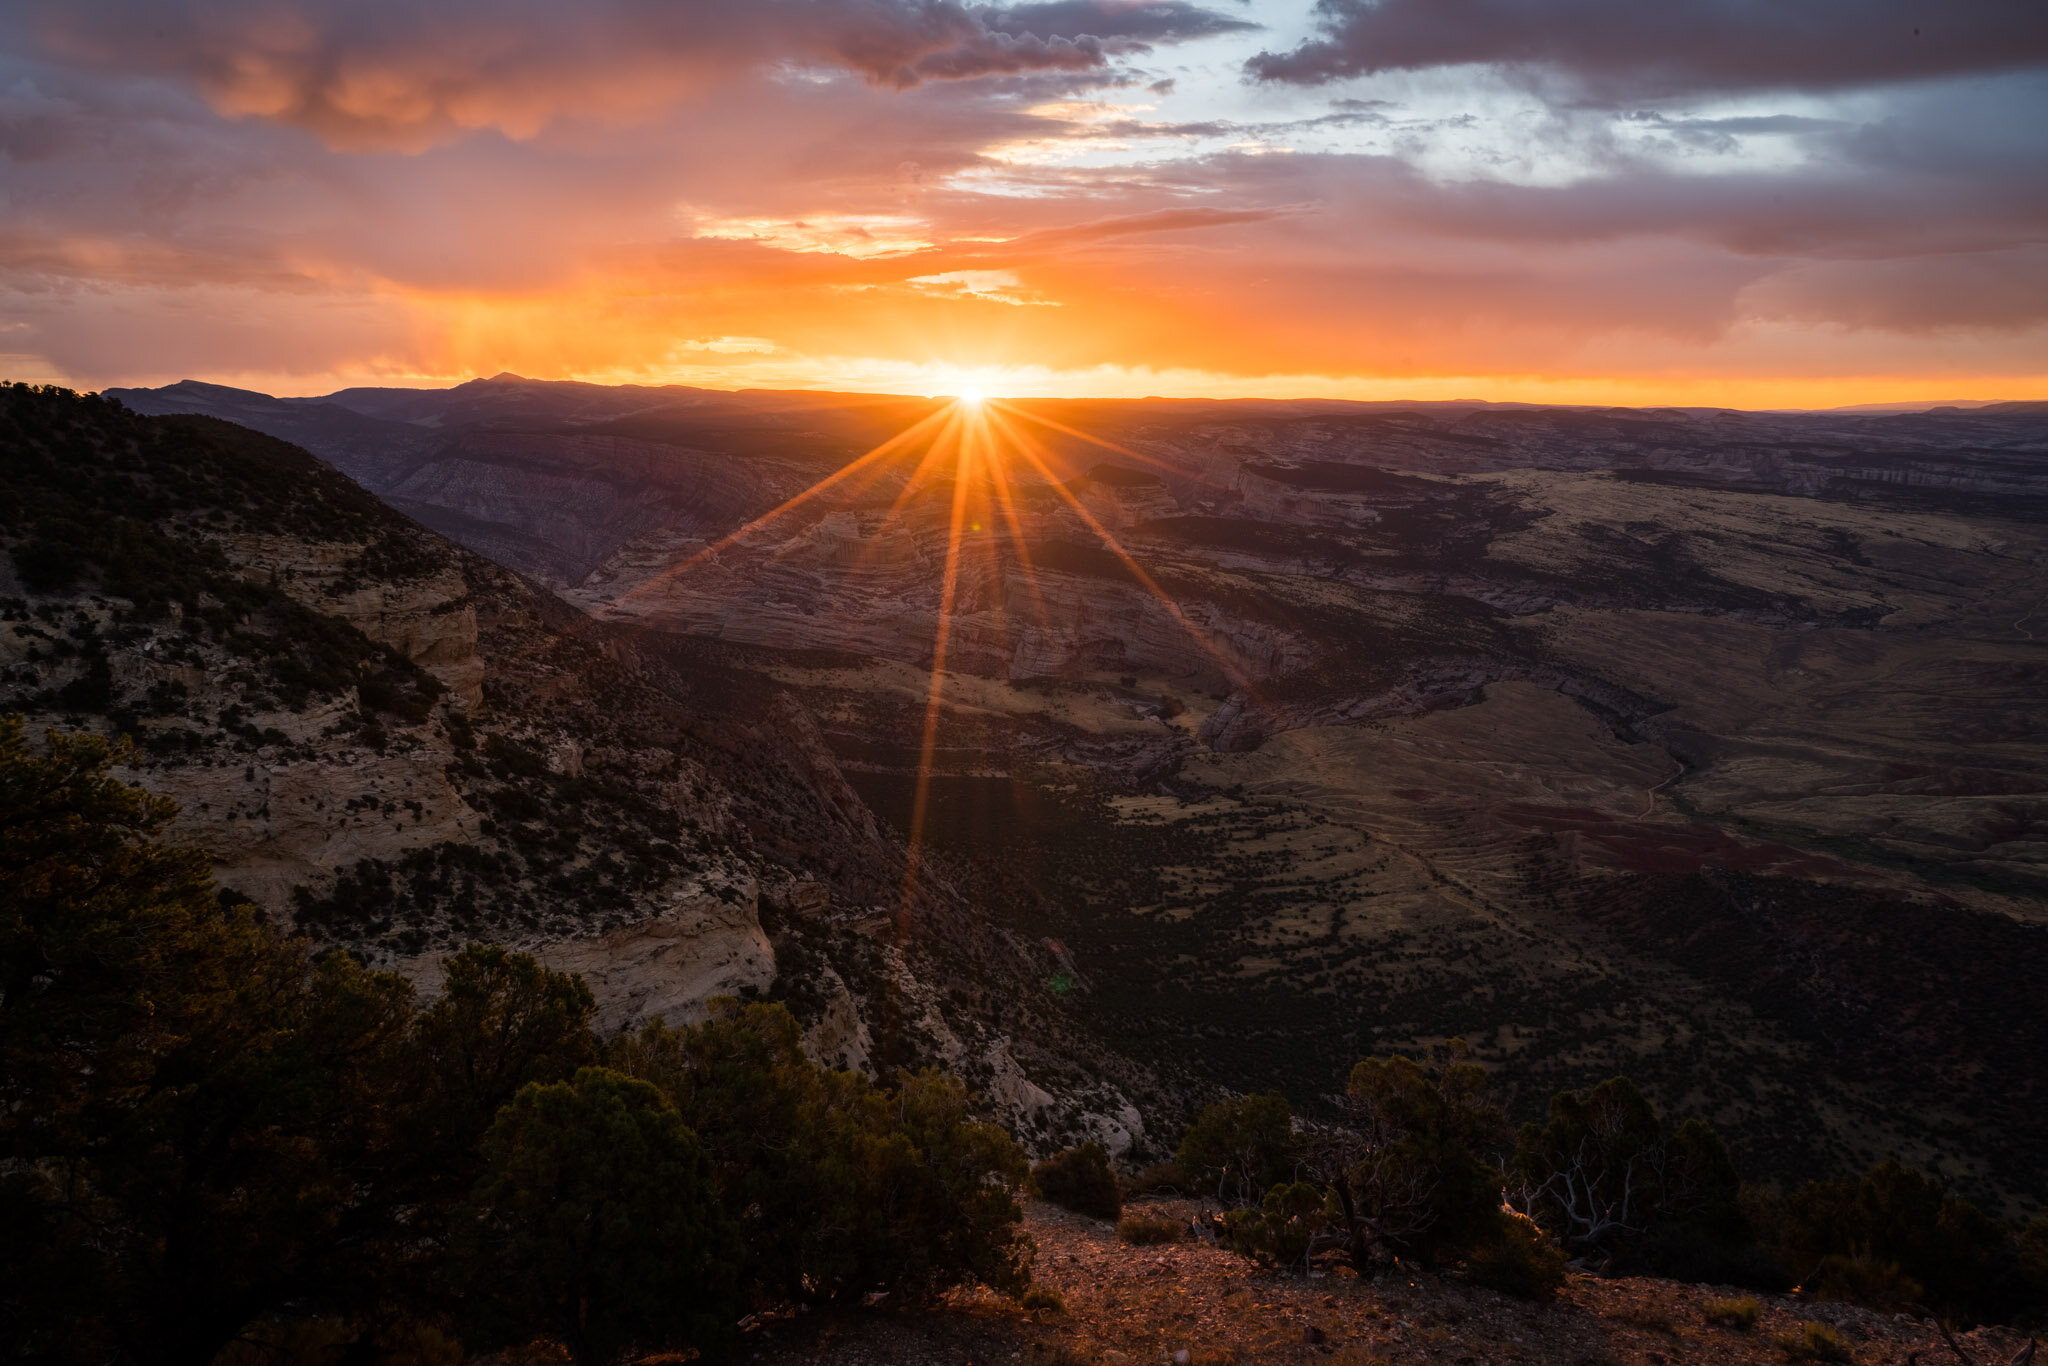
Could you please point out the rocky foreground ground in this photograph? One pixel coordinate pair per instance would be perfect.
(1191, 1302)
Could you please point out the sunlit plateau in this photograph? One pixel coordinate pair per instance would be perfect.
(1033, 682)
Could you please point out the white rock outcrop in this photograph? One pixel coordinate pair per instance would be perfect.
(670, 965)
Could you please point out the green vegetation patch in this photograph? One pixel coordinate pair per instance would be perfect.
(95, 499)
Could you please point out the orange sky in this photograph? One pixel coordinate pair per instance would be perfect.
(1086, 197)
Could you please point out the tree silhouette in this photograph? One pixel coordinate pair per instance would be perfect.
(596, 1221)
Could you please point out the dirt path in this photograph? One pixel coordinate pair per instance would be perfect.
(1142, 1306)
(1650, 797)
(2032, 612)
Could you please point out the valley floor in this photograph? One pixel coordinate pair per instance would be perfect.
(1135, 1306)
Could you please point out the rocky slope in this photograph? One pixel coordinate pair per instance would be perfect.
(551, 479)
(1614, 740)
(397, 747)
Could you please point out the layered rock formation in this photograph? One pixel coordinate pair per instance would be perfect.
(1375, 724)
(396, 747)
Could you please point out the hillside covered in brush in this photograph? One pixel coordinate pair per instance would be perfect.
(394, 746)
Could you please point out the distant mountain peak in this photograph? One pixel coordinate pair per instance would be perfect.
(200, 386)
(196, 395)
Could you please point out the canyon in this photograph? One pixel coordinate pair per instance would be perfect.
(1700, 745)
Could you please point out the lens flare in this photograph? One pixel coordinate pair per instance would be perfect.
(970, 452)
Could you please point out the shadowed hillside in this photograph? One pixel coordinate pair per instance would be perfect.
(1699, 744)
(395, 746)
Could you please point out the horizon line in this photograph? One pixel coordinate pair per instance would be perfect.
(1870, 407)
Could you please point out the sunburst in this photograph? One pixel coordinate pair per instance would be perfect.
(975, 443)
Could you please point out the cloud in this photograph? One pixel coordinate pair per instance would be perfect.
(1724, 136)
(408, 74)
(1997, 290)
(731, 346)
(1749, 125)
(1145, 21)
(1626, 49)
(990, 286)
(1162, 220)
(1940, 168)
(840, 234)
(700, 192)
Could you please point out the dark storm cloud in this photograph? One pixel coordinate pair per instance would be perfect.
(1725, 135)
(404, 73)
(1633, 49)
(1811, 216)
(1747, 126)
(1948, 167)
(1148, 21)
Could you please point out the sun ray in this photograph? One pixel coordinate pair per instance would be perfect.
(1107, 445)
(787, 506)
(999, 480)
(855, 492)
(920, 800)
(1029, 449)
(935, 454)
(946, 440)
(976, 438)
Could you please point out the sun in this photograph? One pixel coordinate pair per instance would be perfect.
(968, 449)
